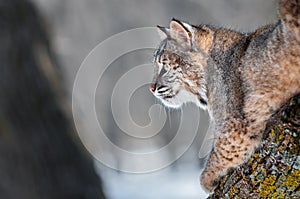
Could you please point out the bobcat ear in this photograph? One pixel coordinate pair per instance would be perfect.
(163, 32)
(181, 32)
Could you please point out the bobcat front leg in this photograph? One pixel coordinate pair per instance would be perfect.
(233, 145)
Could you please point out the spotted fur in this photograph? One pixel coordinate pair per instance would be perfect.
(240, 78)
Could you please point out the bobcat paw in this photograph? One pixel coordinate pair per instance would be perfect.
(209, 181)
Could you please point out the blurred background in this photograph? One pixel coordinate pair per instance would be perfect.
(43, 46)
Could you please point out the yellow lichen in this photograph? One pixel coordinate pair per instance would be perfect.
(281, 137)
(255, 155)
(254, 166)
(272, 133)
(274, 172)
(233, 190)
(281, 149)
(267, 186)
(277, 194)
(293, 180)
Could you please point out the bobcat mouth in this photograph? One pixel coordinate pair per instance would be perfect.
(168, 96)
(164, 95)
(163, 90)
(169, 99)
(202, 101)
(177, 99)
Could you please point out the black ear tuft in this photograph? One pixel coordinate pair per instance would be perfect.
(163, 32)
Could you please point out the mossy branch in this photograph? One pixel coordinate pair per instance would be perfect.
(273, 171)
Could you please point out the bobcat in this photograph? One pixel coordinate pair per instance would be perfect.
(240, 78)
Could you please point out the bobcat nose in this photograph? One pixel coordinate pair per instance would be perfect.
(153, 87)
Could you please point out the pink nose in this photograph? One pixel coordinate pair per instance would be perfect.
(152, 87)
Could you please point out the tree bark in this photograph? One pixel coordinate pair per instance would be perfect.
(273, 171)
(40, 156)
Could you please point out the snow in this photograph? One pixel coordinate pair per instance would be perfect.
(181, 182)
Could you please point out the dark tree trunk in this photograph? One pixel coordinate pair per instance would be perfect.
(274, 170)
(40, 157)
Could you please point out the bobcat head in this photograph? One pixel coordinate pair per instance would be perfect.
(179, 64)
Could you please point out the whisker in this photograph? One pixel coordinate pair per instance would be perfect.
(169, 117)
(160, 108)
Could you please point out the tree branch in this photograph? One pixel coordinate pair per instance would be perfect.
(273, 171)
